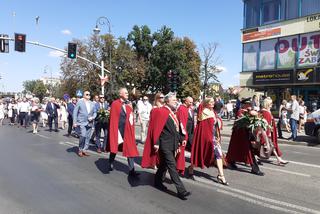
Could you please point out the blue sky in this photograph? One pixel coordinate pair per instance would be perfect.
(60, 21)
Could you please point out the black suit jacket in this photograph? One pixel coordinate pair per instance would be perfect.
(52, 112)
(169, 138)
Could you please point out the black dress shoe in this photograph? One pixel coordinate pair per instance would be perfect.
(110, 168)
(184, 195)
(257, 172)
(233, 166)
(133, 173)
(160, 186)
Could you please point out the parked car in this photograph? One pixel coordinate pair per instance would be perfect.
(312, 125)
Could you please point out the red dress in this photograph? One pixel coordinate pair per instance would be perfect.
(129, 142)
(273, 131)
(202, 152)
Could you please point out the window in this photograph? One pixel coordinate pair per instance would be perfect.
(309, 7)
(291, 8)
(270, 11)
(251, 13)
(250, 55)
(267, 54)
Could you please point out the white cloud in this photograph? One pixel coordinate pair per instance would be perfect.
(55, 54)
(236, 76)
(66, 32)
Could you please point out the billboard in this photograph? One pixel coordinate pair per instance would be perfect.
(273, 77)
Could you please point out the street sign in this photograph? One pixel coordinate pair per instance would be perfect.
(79, 93)
(4, 44)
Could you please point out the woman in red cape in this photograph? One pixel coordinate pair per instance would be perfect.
(271, 132)
(206, 147)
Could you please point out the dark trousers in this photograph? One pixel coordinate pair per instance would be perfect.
(168, 162)
(50, 119)
(98, 128)
(70, 124)
(279, 128)
(22, 118)
(130, 161)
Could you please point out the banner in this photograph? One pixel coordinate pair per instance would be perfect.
(286, 54)
(273, 77)
(309, 49)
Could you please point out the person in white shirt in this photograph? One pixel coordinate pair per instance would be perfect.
(294, 118)
(229, 109)
(144, 110)
(302, 115)
(23, 109)
(1, 112)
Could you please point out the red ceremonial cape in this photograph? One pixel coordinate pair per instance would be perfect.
(158, 119)
(202, 152)
(129, 144)
(182, 115)
(274, 135)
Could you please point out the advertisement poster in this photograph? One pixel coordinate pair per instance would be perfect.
(309, 49)
(273, 77)
(286, 56)
(267, 54)
(250, 52)
(305, 75)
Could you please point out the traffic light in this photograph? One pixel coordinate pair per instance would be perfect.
(4, 44)
(175, 80)
(72, 50)
(169, 80)
(20, 42)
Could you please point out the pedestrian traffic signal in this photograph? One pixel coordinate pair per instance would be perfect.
(20, 42)
(4, 43)
(72, 50)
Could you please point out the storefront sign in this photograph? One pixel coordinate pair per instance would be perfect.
(305, 75)
(273, 77)
(286, 28)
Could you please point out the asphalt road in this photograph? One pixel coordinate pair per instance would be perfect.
(42, 174)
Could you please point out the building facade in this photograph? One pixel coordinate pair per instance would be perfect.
(281, 48)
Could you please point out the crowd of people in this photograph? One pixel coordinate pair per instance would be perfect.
(169, 128)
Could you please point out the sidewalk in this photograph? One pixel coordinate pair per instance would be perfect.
(302, 139)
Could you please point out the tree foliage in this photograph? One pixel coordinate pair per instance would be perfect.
(36, 87)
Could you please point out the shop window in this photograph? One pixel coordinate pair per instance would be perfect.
(250, 54)
(267, 54)
(309, 7)
(291, 8)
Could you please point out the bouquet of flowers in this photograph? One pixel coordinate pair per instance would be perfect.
(252, 121)
(103, 116)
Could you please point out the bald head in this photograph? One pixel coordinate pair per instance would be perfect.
(188, 101)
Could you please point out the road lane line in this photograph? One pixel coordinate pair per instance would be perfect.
(286, 171)
(206, 182)
(43, 136)
(299, 163)
(256, 202)
(258, 197)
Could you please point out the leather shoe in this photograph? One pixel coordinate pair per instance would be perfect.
(133, 173)
(160, 186)
(184, 195)
(257, 172)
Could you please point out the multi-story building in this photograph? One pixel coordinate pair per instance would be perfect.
(281, 48)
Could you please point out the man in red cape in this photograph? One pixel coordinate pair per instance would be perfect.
(121, 131)
(240, 148)
(163, 137)
(186, 121)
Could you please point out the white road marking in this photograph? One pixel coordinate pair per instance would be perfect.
(240, 194)
(43, 136)
(286, 171)
(300, 163)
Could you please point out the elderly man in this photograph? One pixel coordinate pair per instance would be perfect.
(144, 110)
(122, 132)
(164, 138)
(83, 117)
(52, 111)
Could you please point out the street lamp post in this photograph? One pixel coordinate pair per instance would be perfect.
(104, 21)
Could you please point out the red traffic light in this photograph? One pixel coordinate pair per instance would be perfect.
(20, 42)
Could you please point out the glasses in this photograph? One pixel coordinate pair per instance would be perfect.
(161, 97)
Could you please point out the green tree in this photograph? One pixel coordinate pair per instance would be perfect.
(36, 87)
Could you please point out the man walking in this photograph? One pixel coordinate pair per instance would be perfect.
(52, 111)
(83, 117)
(294, 118)
(144, 110)
(101, 107)
(70, 107)
(163, 137)
(122, 132)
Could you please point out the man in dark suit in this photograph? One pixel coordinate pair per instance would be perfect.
(165, 139)
(70, 108)
(52, 111)
(101, 124)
